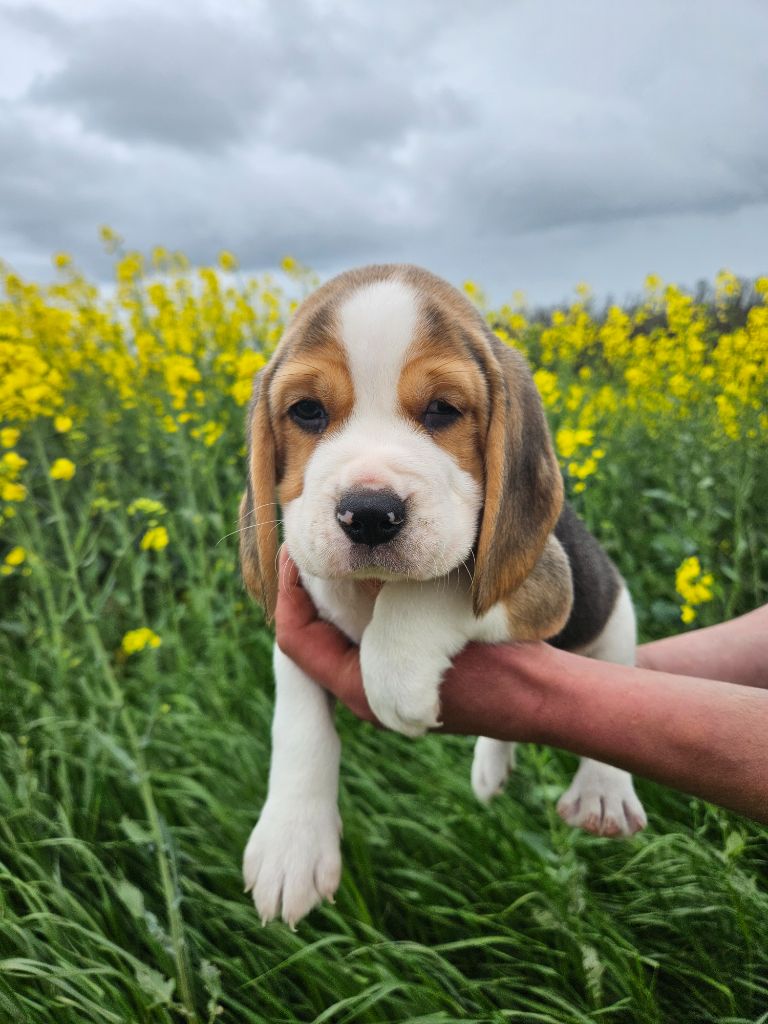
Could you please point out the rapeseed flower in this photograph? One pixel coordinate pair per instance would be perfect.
(63, 469)
(10, 491)
(9, 437)
(16, 556)
(136, 640)
(693, 586)
(155, 539)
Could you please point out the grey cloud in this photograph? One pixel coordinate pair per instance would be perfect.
(162, 80)
(204, 84)
(343, 133)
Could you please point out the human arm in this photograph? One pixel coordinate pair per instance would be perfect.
(695, 734)
(736, 651)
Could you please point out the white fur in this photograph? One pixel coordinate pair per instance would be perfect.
(292, 859)
(378, 323)
(408, 634)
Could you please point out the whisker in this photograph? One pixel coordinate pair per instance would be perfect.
(255, 509)
(248, 526)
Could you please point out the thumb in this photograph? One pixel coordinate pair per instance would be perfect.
(314, 645)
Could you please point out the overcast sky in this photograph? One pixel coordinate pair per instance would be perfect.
(527, 144)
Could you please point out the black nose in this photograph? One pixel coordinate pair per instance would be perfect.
(370, 517)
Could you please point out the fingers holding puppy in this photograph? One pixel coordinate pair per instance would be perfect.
(298, 629)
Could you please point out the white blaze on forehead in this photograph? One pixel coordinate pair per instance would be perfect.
(377, 326)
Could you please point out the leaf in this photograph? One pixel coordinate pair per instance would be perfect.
(136, 832)
(119, 754)
(155, 985)
(734, 845)
(211, 978)
(132, 897)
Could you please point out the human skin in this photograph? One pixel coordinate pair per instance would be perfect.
(672, 719)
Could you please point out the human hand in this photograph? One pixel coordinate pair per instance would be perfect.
(483, 694)
(317, 647)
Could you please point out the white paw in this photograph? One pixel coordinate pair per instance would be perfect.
(292, 860)
(410, 713)
(403, 697)
(491, 765)
(602, 800)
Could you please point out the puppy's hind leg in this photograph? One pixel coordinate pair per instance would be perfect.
(491, 765)
(601, 799)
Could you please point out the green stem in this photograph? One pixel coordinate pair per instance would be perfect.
(744, 488)
(175, 920)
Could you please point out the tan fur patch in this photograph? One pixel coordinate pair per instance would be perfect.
(258, 511)
(540, 606)
(523, 487)
(320, 373)
(431, 375)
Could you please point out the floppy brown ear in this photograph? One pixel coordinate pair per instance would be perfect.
(523, 486)
(258, 508)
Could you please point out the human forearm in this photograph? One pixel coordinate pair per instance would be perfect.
(736, 651)
(703, 737)
(700, 736)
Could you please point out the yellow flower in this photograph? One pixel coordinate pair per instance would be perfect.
(12, 462)
(62, 423)
(155, 539)
(288, 264)
(694, 587)
(210, 432)
(136, 640)
(13, 492)
(63, 469)
(568, 440)
(109, 237)
(227, 261)
(9, 436)
(62, 260)
(15, 556)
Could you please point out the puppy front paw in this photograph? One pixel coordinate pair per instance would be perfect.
(292, 860)
(401, 697)
(404, 693)
(602, 800)
(410, 712)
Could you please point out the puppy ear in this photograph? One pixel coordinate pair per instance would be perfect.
(258, 508)
(523, 487)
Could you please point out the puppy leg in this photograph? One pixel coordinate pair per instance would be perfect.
(601, 798)
(292, 859)
(406, 649)
(491, 765)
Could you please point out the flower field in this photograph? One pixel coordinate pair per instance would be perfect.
(136, 682)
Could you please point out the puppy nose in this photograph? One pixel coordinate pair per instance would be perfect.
(370, 517)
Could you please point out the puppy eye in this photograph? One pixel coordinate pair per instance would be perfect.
(438, 415)
(309, 415)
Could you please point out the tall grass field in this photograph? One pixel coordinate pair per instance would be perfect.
(136, 685)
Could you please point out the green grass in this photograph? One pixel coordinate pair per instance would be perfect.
(128, 786)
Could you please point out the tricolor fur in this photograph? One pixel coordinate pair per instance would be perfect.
(423, 407)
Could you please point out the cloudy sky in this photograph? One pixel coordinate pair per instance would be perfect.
(527, 144)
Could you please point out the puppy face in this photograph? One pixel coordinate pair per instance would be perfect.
(401, 440)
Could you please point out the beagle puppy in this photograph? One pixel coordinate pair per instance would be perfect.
(405, 444)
